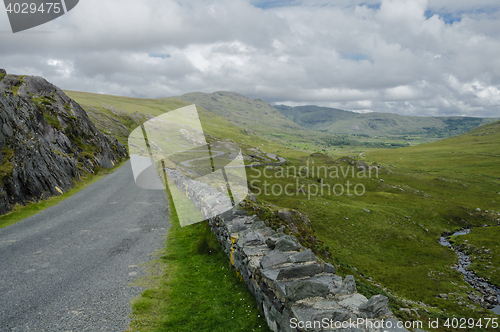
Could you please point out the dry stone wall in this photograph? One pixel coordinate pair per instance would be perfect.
(294, 289)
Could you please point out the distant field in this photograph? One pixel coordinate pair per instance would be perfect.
(337, 121)
(474, 154)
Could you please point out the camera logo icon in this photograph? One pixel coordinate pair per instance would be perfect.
(205, 176)
(27, 14)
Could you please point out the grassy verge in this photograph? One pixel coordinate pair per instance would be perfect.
(196, 289)
(21, 212)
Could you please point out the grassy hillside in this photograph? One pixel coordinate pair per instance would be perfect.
(252, 114)
(259, 118)
(387, 236)
(118, 116)
(254, 117)
(376, 125)
(153, 107)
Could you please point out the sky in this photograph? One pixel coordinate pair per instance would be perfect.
(410, 57)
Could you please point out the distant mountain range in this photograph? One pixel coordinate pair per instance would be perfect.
(252, 114)
(320, 124)
(335, 121)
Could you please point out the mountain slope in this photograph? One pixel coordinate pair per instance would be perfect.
(46, 141)
(337, 121)
(251, 114)
(118, 116)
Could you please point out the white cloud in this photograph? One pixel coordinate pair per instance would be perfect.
(413, 57)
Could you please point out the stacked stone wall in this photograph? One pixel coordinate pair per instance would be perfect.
(295, 290)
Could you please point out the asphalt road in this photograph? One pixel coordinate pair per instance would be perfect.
(69, 268)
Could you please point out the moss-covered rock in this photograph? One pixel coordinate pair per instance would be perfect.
(47, 141)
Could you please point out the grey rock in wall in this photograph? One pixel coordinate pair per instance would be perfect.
(348, 286)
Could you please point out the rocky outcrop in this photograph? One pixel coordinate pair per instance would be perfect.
(46, 141)
(295, 290)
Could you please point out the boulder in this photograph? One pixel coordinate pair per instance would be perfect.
(271, 241)
(335, 315)
(347, 287)
(326, 280)
(274, 258)
(286, 215)
(238, 225)
(303, 256)
(258, 224)
(227, 215)
(300, 271)
(266, 232)
(329, 268)
(301, 289)
(252, 239)
(287, 243)
(353, 302)
(48, 142)
(377, 306)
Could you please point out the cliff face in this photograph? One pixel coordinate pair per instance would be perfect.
(46, 141)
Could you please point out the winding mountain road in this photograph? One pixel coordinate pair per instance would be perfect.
(69, 267)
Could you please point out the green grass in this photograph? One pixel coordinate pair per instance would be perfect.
(239, 118)
(427, 190)
(154, 107)
(53, 121)
(20, 212)
(465, 157)
(196, 289)
(6, 166)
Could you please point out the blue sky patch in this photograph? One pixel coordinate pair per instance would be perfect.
(355, 56)
(375, 6)
(266, 4)
(158, 55)
(452, 17)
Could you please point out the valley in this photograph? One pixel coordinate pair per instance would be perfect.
(388, 236)
(374, 212)
(381, 130)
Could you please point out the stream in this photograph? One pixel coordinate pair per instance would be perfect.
(490, 293)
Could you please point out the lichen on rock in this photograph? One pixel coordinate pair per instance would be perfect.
(46, 141)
